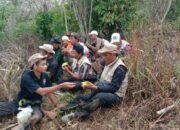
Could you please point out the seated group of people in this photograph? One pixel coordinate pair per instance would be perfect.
(107, 84)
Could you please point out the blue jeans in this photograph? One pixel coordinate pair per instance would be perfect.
(8, 108)
(104, 100)
(107, 99)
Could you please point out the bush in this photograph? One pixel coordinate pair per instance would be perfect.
(44, 21)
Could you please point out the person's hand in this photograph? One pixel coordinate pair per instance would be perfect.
(88, 85)
(65, 65)
(68, 85)
(66, 68)
(89, 46)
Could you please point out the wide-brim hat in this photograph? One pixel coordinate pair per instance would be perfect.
(94, 32)
(48, 48)
(35, 58)
(108, 47)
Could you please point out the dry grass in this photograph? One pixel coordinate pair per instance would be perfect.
(154, 80)
(13, 59)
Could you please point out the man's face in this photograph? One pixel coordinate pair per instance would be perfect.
(42, 66)
(65, 42)
(75, 54)
(106, 57)
(43, 52)
(55, 45)
(93, 37)
(73, 40)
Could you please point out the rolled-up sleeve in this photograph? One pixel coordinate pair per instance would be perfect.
(30, 84)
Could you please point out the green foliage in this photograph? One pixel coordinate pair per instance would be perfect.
(71, 20)
(112, 16)
(177, 70)
(57, 26)
(44, 21)
(141, 16)
(13, 25)
(52, 22)
(173, 15)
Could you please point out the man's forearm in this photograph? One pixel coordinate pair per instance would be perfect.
(74, 75)
(46, 90)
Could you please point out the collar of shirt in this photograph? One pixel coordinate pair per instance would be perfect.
(34, 76)
(112, 63)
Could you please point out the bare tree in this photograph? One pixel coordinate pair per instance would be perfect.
(81, 9)
(159, 9)
(65, 15)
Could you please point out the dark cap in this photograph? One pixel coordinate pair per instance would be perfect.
(55, 40)
(79, 48)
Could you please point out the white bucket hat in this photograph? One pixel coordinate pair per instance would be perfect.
(93, 32)
(65, 38)
(48, 48)
(35, 58)
(107, 47)
(115, 38)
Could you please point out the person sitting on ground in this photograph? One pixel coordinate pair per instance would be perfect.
(58, 50)
(81, 68)
(66, 48)
(34, 85)
(123, 46)
(74, 38)
(53, 67)
(108, 91)
(95, 44)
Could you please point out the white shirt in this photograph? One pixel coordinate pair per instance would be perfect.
(124, 44)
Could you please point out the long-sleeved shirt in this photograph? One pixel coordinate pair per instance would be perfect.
(110, 87)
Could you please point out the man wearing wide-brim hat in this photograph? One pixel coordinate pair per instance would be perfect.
(109, 90)
(53, 66)
(34, 85)
(95, 42)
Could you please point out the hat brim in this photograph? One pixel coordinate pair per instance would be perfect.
(41, 47)
(38, 59)
(92, 34)
(107, 51)
(115, 41)
(66, 40)
(45, 56)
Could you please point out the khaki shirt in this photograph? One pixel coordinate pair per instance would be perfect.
(98, 43)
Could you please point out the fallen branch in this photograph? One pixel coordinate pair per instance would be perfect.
(164, 110)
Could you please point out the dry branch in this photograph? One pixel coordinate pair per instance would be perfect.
(164, 110)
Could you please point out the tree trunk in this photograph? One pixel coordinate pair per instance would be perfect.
(80, 14)
(65, 17)
(90, 16)
(167, 10)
